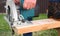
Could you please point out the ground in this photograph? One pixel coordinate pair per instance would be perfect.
(6, 31)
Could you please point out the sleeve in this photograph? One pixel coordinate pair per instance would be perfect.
(21, 3)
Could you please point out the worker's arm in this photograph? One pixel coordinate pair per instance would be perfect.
(28, 4)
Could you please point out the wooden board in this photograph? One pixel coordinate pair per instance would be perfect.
(37, 25)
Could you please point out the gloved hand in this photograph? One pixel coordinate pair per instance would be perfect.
(29, 4)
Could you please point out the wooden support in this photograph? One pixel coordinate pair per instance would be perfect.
(58, 30)
(37, 25)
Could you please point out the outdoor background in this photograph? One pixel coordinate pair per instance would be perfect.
(6, 31)
(41, 7)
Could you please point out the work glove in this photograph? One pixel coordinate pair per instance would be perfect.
(29, 4)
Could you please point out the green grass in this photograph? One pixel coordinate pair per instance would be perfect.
(3, 23)
(51, 32)
(5, 29)
(41, 16)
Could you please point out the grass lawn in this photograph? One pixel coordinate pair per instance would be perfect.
(5, 29)
(41, 16)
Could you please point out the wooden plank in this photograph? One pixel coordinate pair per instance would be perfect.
(37, 25)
